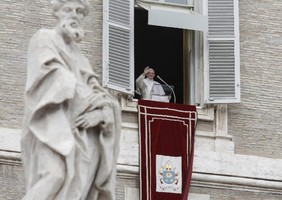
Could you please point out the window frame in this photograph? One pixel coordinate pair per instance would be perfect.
(198, 66)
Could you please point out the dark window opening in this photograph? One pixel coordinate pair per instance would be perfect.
(160, 48)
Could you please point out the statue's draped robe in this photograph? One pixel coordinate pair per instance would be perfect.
(61, 161)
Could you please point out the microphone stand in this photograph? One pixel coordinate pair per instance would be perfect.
(169, 87)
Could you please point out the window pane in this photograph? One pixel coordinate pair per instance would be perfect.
(177, 1)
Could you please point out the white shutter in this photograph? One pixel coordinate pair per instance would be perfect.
(222, 52)
(118, 45)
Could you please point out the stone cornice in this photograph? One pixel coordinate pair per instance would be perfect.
(210, 169)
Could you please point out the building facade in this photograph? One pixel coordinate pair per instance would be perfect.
(238, 153)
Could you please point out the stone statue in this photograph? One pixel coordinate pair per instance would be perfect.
(71, 126)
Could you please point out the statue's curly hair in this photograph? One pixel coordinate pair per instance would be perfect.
(57, 4)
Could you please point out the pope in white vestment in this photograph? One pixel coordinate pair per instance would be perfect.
(148, 88)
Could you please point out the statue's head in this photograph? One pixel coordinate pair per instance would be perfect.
(57, 4)
(69, 15)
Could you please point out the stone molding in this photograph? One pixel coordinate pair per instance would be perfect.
(217, 140)
(205, 113)
(211, 169)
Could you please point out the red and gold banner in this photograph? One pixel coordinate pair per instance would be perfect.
(166, 134)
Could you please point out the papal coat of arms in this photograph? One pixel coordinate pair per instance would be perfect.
(169, 177)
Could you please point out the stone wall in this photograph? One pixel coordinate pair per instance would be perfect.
(255, 123)
(12, 182)
(19, 20)
(232, 194)
(12, 187)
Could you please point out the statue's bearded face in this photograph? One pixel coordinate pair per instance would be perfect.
(70, 17)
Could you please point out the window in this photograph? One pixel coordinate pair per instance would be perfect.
(173, 47)
(160, 48)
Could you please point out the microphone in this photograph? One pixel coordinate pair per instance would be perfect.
(168, 86)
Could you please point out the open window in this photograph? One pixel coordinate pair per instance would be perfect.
(160, 48)
(177, 42)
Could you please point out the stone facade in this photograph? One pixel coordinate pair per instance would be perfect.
(238, 147)
(255, 123)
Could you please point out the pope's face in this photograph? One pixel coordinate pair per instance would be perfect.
(150, 74)
(70, 17)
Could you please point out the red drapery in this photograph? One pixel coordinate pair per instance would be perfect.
(166, 134)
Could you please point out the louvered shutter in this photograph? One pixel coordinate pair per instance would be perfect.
(118, 45)
(222, 66)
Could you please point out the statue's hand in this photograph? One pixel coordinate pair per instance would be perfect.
(89, 119)
(103, 117)
(107, 123)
